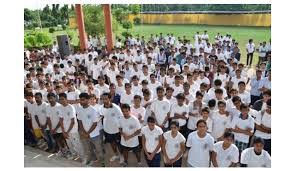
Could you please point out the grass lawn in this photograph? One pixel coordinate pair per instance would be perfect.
(241, 34)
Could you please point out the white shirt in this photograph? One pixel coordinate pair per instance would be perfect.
(198, 155)
(127, 98)
(265, 83)
(250, 47)
(220, 123)
(103, 89)
(245, 97)
(138, 113)
(264, 118)
(176, 67)
(111, 117)
(225, 157)
(243, 124)
(161, 108)
(151, 137)
(236, 81)
(262, 51)
(97, 108)
(68, 113)
(129, 126)
(180, 110)
(52, 112)
(177, 89)
(249, 157)
(192, 120)
(40, 111)
(88, 116)
(96, 69)
(153, 87)
(172, 145)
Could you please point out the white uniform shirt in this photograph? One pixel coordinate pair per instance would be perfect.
(249, 157)
(225, 157)
(111, 118)
(129, 126)
(173, 144)
(151, 137)
(161, 108)
(52, 112)
(68, 113)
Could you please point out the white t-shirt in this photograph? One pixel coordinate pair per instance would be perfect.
(220, 123)
(225, 157)
(103, 89)
(209, 123)
(249, 157)
(177, 89)
(192, 120)
(172, 145)
(180, 110)
(250, 47)
(236, 81)
(127, 98)
(245, 97)
(243, 124)
(129, 126)
(96, 69)
(97, 108)
(176, 67)
(138, 112)
(151, 137)
(52, 112)
(40, 111)
(153, 87)
(264, 119)
(161, 108)
(198, 155)
(88, 116)
(67, 113)
(111, 118)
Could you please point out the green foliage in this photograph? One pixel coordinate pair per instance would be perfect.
(120, 14)
(64, 27)
(126, 34)
(137, 21)
(51, 30)
(134, 8)
(37, 39)
(127, 24)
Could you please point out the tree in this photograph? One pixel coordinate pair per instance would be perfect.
(134, 8)
(127, 25)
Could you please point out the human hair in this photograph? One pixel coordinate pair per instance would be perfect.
(198, 93)
(241, 82)
(221, 102)
(160, 88)
(170, 88)
(64, 95)
(176, 123)
(84, 95)
(229, 134)
(258, 140)
(180, 96)
(50, 95)
(217, 82)
(267, 92)
(236, 98)
(201, 121)
(212, 103)
(244, 106)
(151, 119)
(107, 94)
(206, 109)
(218, 91)
(125, 106)
(38, 94)
(137, 97)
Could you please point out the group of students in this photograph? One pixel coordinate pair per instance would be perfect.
(163, 97)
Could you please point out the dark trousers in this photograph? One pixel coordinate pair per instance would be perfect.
(249, 58)
(254, 99)
(175, 164)
(267, 145)
(155, 162)
(183, 131)
(28, 133)
(50, 140)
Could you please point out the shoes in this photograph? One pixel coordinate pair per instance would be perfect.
(139, 164)
(121, 159)
(112, 159)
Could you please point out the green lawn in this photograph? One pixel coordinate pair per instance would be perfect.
(241, 34)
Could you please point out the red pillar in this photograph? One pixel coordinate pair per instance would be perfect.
(81, 27)
(108, 26)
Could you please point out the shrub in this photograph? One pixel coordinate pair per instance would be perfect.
(137, 20)
(126, 34)
(51, 30)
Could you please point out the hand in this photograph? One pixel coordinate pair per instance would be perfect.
(151, 156)
(66, 135)
(139, 116)
(226, 113)
(52, 131)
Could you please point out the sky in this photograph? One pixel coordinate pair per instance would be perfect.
(33, 5)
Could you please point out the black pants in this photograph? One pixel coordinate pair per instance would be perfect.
(28, 133)
(249, 58)
(267, 145)
(254, 99)
(183, 131)
(175, 164)
(155, 162)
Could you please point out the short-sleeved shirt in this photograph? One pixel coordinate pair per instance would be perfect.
(52, 112)
(129, 126)
(151, 137)
(173, 144)
(225, 157)
(88, 116)
(68, 113)
(250, 158)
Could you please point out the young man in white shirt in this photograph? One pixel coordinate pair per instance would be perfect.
(250, 48)
(243, 94)
(129, 129)
(200, 145)
(153, 84)
(127, 96)
(221, 121)
(263, 126)
(152, 140)
(69, 127)
(243, 128)
(234, 81)
(256, 156)
(160, 109)
(95, 70)
(111, 116)
(177, 86)
(180, 112)
(173, 146)
(225, 153)
(52, 114)
(205, 116)
(102, 86)
(88, 120)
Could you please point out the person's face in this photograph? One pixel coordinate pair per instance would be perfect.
(218, 95)
(38, 99)
(174, 128)
(203, 88)
(92, 100)
(62, 100)
(205, 114)
(258, 74)
(160, 93)
(237, 103)
(244, 111)
(238, 73)
(51, 100)
(105, 100)
(180, 101)
(126, 112)
(221, 107)
(268, 109)
(84, 101)
(151, 125)
(234, 93)
(190, 78)
(186, 88)
(127, 88)
(266, 97)
(153, 78)
(89, 85)
(202, 128)
(242, 87)
(228, 141)
(258, 147)
(137, 102)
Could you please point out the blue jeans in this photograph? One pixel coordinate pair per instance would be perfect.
(155, 162)
(50, 140)
(28, 133)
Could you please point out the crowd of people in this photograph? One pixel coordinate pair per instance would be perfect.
(166, 97)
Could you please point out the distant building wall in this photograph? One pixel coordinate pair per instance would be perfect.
(233, 19)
